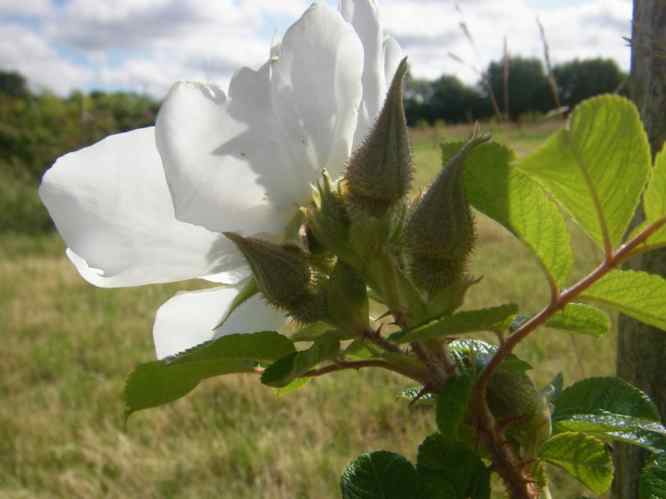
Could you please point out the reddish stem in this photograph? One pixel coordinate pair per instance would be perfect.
(507, 463)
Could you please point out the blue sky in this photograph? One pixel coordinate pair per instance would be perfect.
(145, 45)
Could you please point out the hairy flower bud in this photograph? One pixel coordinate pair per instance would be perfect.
(439, 234)
(514, 400)
(347, 299)
(379, 172)
(326, 218)
(285, 277)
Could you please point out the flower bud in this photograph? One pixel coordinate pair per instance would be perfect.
(285, 277)
(514, 400)
(379, 172)
(326, 218)
(439, 234)
(347, 299)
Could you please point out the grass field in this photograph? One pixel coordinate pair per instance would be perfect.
(67, 348)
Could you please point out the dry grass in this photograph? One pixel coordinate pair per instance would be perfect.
(68, 346)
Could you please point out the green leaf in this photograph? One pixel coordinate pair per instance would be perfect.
(311, 332)
(644, 433)
(654, 200)
(285, 370)
(518, 203)
(380, 475)
(359, 350)
(476, 354)
(488, 319)
(637, 294)
(427, 400)
(585, 458)
(597, 395)
(654, 205)
(653, 479)
(597, 166)
(583, 319)
(452, 403)
(160, 382)
(248, 291)
(448, 466)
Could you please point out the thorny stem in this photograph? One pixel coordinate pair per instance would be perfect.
(507, 462)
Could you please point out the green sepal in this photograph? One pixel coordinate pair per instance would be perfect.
(248, 291)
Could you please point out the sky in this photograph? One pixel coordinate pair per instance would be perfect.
(146, 45)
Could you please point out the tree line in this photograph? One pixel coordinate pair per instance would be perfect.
(519, 87)
(38, 127)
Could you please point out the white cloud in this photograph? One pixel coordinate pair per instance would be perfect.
(24, 8)
(25, 51)
(145, 45)
(430, 29)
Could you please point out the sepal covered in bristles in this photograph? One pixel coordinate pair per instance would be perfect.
(439, 234)
(379, 172)
(285, 277)
(326, 219)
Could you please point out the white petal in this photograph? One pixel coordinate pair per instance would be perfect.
(393, 56)
(188, 319)
(316, 88)
(216, 156)
(253, 156)
(111, 205)
(364, 16)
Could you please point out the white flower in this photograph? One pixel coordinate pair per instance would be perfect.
(149, 206)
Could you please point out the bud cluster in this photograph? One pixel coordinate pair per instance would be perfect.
(360, 232)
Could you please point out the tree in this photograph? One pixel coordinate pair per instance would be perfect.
(528, 86)
(13, 84)
(453, 101)
(642, 349)
(578, 80)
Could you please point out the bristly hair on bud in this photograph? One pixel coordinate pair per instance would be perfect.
(439, 234)
(326, 217)
(379, 172)
(284, 276)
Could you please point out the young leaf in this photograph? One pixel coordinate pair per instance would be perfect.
(653, 479)
(487, 319)
(579, 318)
(518, 203)
(583, 457)
(160, 382)
(452, 404)
(637, 294)
(444, 464)
(581, 166)
(644, 433)
(613, 395)
(285, 370)
(380, 474)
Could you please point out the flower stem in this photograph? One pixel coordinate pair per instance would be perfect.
(504, 456)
